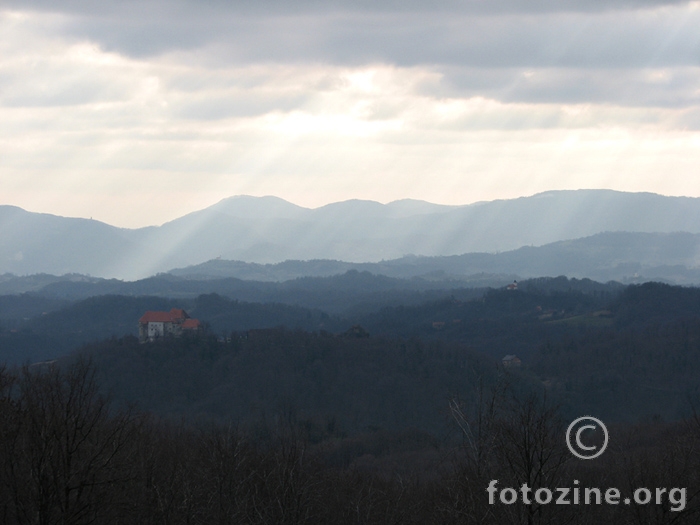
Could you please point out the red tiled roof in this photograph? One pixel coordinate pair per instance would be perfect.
(176, 315)
(190, 324)
(156, 317)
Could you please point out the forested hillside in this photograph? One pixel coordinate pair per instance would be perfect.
(623, 352)
(343, 410)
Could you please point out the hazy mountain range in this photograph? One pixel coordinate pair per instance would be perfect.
(612, 256)
(268, 230)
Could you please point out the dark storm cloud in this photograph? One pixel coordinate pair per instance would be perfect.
(299, 6)
(551, 40)
(583, 50)
(495, 32)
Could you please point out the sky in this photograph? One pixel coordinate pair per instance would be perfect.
(138, 112)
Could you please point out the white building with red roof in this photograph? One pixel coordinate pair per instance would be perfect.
(154, 324)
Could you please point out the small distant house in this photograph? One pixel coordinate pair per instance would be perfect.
(356, 332)
(512, 286)
(511, 360)
(154, 325)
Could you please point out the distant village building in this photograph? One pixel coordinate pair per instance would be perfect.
(511, 360)
(154, 325)
(356, 332)
(512, 286)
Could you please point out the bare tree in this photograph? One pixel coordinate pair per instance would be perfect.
(531, 452)
(64, 451)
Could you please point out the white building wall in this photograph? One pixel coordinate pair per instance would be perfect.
(156, 330)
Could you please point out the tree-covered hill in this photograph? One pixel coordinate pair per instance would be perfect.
(55, 333)
(625, 352)
(343, 382)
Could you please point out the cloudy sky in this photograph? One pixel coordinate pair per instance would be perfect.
(137, 112)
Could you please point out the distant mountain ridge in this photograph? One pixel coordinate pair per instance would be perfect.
(267, 230)
(622, 257)
(610, 256)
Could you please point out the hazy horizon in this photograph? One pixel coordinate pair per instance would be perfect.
(312, 208)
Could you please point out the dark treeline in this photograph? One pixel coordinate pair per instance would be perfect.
(624, 354)
(350, 381)
(68, 456)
